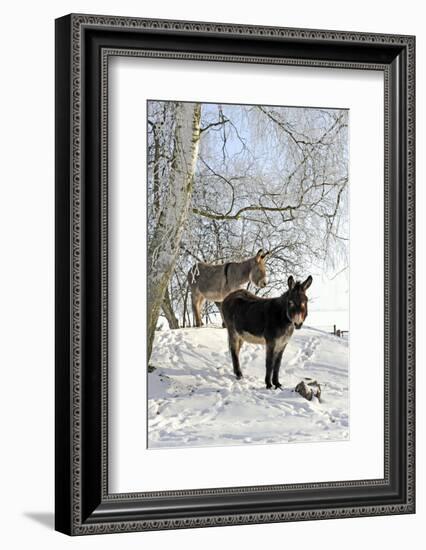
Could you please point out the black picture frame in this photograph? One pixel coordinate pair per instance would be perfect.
(83, 45)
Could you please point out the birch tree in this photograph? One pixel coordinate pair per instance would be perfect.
(173, 141)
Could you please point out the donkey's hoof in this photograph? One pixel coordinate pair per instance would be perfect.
(238, 375)
(269, 386)
(277, 385)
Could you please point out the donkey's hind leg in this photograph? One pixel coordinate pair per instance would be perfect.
(235, 343)
(197, 300)
(219, 307)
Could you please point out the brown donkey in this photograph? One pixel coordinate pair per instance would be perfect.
(268, 321)
(214, 282)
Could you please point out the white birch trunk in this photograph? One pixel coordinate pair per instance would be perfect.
(164, 245)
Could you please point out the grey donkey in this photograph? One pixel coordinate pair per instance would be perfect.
(214, 282)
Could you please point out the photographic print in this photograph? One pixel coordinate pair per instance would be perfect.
(248, 274)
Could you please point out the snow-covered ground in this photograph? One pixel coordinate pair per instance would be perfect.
(194, 399)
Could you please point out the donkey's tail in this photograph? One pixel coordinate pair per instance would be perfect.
(193, 274)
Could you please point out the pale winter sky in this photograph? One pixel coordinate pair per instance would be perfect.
(329, 301)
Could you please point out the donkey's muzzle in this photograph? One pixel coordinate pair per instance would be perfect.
(298, 319)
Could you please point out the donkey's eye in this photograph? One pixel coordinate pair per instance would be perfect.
(291, 303)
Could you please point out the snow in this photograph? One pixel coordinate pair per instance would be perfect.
(194, 399)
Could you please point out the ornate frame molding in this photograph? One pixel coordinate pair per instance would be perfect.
(72, 47)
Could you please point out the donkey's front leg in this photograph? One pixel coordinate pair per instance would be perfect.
(269, 363)
(273, 363)
(276, 368)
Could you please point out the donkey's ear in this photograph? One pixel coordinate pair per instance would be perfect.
(306, 284)
(259, 255)
(290, 282)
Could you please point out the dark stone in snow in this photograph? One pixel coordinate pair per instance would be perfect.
(309, 389)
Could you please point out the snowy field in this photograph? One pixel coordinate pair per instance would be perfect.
(194, 399)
